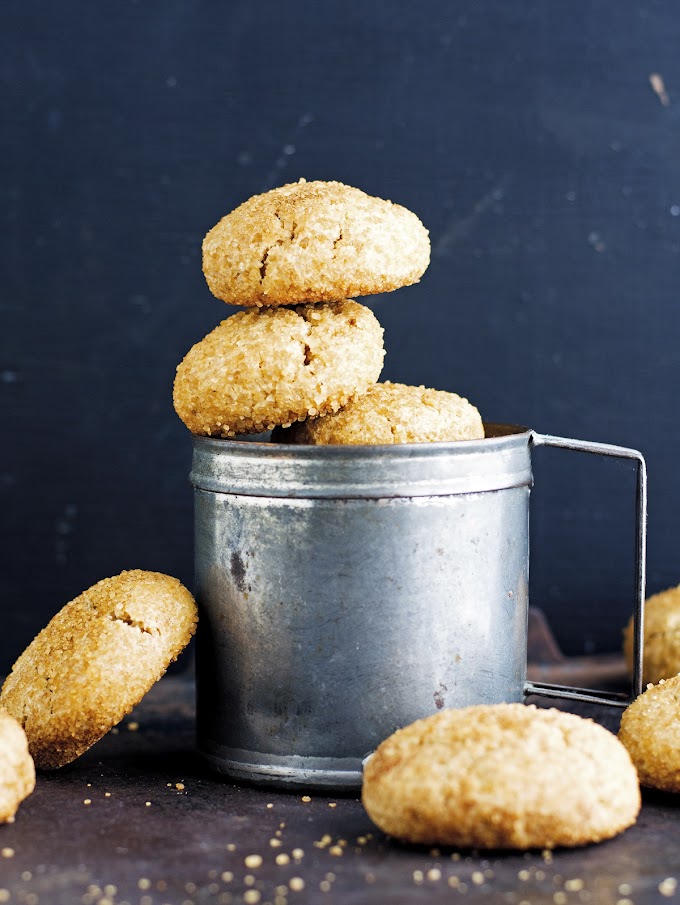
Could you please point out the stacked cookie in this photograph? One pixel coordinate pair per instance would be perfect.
(306, 350)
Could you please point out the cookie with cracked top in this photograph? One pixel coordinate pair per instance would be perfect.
(313, 242)
(502, 776)
(273, 366)
(95, 660)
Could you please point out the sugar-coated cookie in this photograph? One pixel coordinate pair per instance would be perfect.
(661, 649)
(272, 366)
(313, 242)
(17, 773)
(392, 413)
(650, 730)
(502, 776)
(95, 660)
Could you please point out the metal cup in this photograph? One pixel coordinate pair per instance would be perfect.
(345, 591)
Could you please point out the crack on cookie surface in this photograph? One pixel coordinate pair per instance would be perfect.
(127, 619)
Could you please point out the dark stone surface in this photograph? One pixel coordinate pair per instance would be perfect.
(185, 846)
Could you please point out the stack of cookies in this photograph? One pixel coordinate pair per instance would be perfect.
(304, 360)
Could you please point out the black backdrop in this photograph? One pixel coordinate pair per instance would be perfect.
(527, 135)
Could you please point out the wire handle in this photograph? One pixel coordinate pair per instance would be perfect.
(587, 694)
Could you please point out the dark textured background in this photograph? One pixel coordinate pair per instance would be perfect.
(527, 136)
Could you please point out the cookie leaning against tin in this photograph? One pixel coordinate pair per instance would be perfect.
(17, 773)
(274, 366)
(313, 242)
(650, 730)
(95, 660)
(661, 650)
(392, 413)
(502, 776)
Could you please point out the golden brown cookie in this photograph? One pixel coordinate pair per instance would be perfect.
(313, 242)
(502, 776)
(277, 365)
(661, 650)
(95, 660)
(392, 413)
(650, 730)
(17, 773)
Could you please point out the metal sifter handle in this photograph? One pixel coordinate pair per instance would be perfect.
(584, 694)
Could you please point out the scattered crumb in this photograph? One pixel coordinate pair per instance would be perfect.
(282, 859)
(434, 874)
(107, 794)
(576, 885)
(296, 884)
(335, 850)
(133, 726)
(249, 880)
(227, 876)
(668, 886)
(253, 861)
(298, 854)
(251, 896)
(306, 798)
(143, 883)
(87, 801)
(231, 847)
(418, 877)
(270, 805)
(275, 843)
(332, 804)
(477, 877)
(179, 786)
(147, 804)
(659, 88)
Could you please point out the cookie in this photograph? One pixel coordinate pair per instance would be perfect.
(392, 413)
(274, 366)
(650, 730)
(313, 242)
(95, 660)
(17, 773)
(661, 649)
(502, 776)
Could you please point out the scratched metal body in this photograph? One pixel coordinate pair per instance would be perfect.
(347, 591)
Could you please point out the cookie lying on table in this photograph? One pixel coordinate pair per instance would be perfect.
(95, 660)
(650, 730)
(17, 773)
(502, 776)
(391, 413)
(661, 651)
